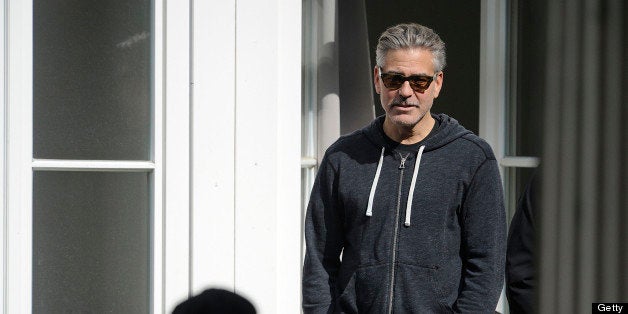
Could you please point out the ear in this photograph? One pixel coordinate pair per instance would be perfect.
(376, 80)
(438, 84)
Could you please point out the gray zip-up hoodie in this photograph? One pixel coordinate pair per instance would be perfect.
(394, 228)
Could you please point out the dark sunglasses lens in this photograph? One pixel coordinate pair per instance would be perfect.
(392, 81)
(395, 81)
(421, 83)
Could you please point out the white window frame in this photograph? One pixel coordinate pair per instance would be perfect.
(494, 99)
(493, 84)
(17, 167)
(2, 156)
(169, 199)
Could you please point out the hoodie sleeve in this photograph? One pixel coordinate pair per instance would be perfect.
(483, 243)
(324, 242)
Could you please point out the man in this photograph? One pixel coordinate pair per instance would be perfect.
(406, 215)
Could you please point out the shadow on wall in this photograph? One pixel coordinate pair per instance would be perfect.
(215, 301)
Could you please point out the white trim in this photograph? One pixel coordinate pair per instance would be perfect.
(267, 154)
(310, 84)
(213, 135)
(493, 43)
(308, 162)
(18, 128)
(309, 141)
(328, 107)
(176, 175)
(289, 217)
(520, 162)
(3, 142)
(256, 137)
(92, 165)
(157, 144)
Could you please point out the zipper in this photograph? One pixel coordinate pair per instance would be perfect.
(402, 166)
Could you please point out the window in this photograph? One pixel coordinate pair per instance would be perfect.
(92, 102)
(83, 210)
(525, 96)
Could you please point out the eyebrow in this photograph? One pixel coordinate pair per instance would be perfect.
(399, 73)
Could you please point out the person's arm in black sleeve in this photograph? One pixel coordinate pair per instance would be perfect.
(520, 256)
(324, 242)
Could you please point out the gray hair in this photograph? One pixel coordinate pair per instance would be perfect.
(411, 35)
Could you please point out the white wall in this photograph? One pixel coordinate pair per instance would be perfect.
(246, 224)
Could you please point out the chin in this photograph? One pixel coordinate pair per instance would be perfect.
(404, 121)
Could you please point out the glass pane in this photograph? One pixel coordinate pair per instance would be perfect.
(91, 242)
(92, 79)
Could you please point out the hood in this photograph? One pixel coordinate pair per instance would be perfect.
(448, 131)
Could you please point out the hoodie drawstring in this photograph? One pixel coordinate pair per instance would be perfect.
(417, 163)
(369, 207)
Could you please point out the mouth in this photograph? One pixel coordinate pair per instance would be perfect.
(404, 105)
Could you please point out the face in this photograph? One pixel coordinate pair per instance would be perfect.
(404, 106)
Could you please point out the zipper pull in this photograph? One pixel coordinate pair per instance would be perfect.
(403, 162)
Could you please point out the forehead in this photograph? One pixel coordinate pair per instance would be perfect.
(410, 61)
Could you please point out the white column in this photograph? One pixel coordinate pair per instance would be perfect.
(328, 88)
(213, 127)
(289, 216)
(355, 74)
(176, 172)
(267, 154)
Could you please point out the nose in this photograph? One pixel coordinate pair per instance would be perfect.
(405, 90)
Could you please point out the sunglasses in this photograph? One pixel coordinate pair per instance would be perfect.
(418, 83)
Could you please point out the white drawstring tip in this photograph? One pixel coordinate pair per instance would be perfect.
(417, 163)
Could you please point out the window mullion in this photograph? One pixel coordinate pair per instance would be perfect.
(92, 165)
(520, 161)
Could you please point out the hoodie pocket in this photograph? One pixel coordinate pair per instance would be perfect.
(366, 291)
(417, 291)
